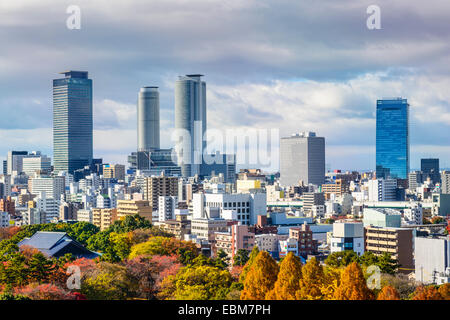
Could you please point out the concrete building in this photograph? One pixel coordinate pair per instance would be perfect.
(114, 171)
(382, 217)
(382, 189)
(15, 161)
(179, 227)
(311, 199)
(157, 186)
(302, 158)
(338, 188)
(347, 236)
(166, 208)
(133, 207)
(85, 215)
(190, 122)
(247, 205)
(304, 236)
(148, 119)
(432, 257)
(104, 218)
(52, 186)
(445, 182)
(398, 242)
(36, 162)
(4, 219)
(48, 205)
(68, 210)
(267, 242)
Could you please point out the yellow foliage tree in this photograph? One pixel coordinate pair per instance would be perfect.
(353, 285)
(247, 266)
(331, 283)
(388, 293)
(312, 281)
(260, 278)
(288, 281)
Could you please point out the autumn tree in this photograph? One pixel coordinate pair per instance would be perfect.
(444, 291)
(427, 293)
(388, 293)
(253, 254)
(353, 285)
(288, 280)
(261, 277)
(311, 282)
(332, 280)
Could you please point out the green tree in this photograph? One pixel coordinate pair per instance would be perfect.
(241, 257)
(341, 259)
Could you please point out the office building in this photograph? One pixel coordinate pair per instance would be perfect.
(14, 161)
(382, 190)
(72, 121)
(36, 162)
(382, 217)
(190, 122)
(311, 199)
(398, 242)
(338, 188)
(302, 158)
(445, 182)
(392, 138)
(52, 186)
(430, 169)
(347, 236)
(219, 164)
(148, 119)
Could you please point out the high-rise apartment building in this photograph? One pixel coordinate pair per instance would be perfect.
(133, 207)
(382, 190)
(190, 122)
(392, 138)
(302, 158)
(445, 185)
(72, 121)
(157, 186)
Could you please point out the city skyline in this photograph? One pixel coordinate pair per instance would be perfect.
(259, 79)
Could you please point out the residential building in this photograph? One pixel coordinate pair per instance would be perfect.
(36, 162)
(157, 186)
(114, 171)
(133, 207)
(179, 227)
(338, 188)
(311, 199)
(166, 207)
(382, 190)
(104, 218)
(52, 186)
(398, 242)
(304, 236)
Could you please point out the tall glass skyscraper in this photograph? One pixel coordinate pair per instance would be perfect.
(190, 117)
(72, 121)
(392, 145)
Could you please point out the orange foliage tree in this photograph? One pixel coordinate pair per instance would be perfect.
(444, 290)
(288, 281)
(311, 282)
(353, 285)
(261, 277)
(426, 293)
(388, 293)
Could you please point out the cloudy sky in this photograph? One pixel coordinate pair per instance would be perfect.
(292, 65)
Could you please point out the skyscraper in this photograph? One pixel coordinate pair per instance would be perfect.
(190, 122)
(148, 119)
(302, 157)
(392, 138)
(15, 161)
(72, 121)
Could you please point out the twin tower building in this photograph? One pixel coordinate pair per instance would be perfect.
(73, 129)
(190, 128)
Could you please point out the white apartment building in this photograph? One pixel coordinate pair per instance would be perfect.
(347, 236)
(4, 219)
(267, 242)
(48, 205)
(166, 207)
(84, 215)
